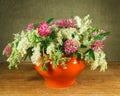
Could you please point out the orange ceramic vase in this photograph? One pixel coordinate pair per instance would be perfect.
(62, 77)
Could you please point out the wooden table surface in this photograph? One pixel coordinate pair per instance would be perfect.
(25, 81)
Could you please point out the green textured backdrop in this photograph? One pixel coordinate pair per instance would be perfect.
(16, 14)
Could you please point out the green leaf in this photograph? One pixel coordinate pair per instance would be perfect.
(29, 53)
(44, 62)
(46, 41)
(56, 58)
(36, 25)
(91, 53)
(96, 29)
(48, 21)
(83, 46)
(100, 36)
(52, 35)
(77, 55)
(63, 59)
(87, 51)
(17, 43)
(44, 66)
(3, 53)
(106, 33)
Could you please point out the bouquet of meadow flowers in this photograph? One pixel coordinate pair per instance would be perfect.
(57, 40)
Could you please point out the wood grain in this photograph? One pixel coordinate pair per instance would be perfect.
(25, 81)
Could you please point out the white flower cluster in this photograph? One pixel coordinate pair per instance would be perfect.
(50, 49)
(99, 61)
(85, 24)
(67, 33)
(78, 21)
(35, 58)
(23, 46)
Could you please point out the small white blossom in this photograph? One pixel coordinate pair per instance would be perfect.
(78, 21)
(67, 33)
(23, 45)
(77, 39)
(59, 38)
(99, 61)
(54, 27)
(85, 24)
(50, 48)
(35, 58)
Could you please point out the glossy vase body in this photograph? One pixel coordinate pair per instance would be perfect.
(62, 77)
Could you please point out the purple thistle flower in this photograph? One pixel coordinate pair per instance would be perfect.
(97, 46)
(30, 27)
(69, 23)
(7, 51)
(71, 46)
(94, 34)
(43, 29)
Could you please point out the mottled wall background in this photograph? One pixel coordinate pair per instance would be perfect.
(16, 14)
